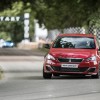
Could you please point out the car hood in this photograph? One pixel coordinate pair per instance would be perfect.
(72, 53)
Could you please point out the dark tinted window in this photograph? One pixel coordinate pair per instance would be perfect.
(74, 42)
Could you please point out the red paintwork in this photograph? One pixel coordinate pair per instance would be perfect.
(73, 53)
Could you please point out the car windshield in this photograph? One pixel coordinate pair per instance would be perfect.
(74, 42)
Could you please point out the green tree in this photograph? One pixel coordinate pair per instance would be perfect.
(16, 29)
(55, 13)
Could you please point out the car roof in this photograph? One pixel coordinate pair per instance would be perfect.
(82, 35)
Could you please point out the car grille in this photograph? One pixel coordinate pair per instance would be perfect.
(70, 59)
(61, 69)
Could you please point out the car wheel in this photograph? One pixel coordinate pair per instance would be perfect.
(56, 74)
(97, 75)
(46, 75)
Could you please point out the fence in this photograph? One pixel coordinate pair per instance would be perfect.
(53, 33)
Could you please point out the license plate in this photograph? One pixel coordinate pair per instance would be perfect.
(69, 65)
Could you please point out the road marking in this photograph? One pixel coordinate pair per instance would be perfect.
(50, 95)
(94, 91)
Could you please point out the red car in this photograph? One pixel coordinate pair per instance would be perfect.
(73, 54)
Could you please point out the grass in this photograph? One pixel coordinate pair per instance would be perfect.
(41, 51)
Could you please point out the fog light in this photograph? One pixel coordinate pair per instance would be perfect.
(91, 70)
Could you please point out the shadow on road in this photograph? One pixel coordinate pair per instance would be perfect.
(38, 76)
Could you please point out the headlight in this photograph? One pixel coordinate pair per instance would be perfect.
(93, 58)
(50, 57)
(12, 44)
(4, 44)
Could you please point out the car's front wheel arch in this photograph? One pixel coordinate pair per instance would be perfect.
(46, 75)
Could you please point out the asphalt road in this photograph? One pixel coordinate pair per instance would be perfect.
(22, 80)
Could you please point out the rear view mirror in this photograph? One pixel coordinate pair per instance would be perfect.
(47, 46)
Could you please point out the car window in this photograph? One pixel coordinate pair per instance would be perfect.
(74, 42)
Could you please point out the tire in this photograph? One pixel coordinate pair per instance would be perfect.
(46, 75)
(95, 76)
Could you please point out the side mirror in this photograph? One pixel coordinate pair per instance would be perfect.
(47, 46)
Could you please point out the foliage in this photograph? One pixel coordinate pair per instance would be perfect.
(55, 14)
(11, 27)
(5, 36)
(68, 13)
(16, 29)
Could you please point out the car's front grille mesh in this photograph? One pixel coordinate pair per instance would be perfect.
(61, 69)
(70, 59)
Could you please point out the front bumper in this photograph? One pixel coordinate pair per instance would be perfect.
(86, 68)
